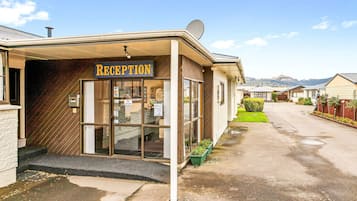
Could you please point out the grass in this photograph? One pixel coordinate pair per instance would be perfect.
(243, 116)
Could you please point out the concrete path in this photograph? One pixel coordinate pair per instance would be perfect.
(296, 157)
(101, 167)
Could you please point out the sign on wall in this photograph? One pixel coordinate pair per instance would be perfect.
(124, 69)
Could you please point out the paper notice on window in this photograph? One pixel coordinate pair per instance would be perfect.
(116, 92)
(128, 102)
(158, 110)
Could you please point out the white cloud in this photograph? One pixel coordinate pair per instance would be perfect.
(282, 35)
(257, 42)
(224, 44)
(348, 24)
(18, 13)
(323, 25)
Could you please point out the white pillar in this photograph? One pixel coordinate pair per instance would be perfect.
(173, 118)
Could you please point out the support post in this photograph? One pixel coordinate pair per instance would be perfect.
(173, 118)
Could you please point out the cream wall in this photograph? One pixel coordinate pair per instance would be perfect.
(342, 88)
(8, 144)
(220, 112)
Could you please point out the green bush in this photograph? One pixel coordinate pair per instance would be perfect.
(253, 104)
(301, 101)
(307, 101)
(199, 150)
(205, 143)
(274, 96)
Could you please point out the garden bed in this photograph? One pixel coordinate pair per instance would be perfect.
(340, 120)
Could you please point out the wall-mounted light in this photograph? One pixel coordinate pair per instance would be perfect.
(126, 52)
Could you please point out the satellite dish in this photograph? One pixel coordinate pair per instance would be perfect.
(196, 28)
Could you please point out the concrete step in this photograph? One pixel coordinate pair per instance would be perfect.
(26, 154)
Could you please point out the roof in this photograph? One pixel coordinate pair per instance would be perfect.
(159, 41)
(8, 33)
(261, 89)
(352, 77)
(294, 87)
(317, 87)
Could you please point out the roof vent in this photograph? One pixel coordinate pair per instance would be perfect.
(49, 31)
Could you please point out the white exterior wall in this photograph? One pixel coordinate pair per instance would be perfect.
(8, 144)
(232, 100)
(220, 112)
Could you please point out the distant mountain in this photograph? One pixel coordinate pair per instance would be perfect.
(283, 81)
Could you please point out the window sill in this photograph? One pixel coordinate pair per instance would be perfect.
(9, 107)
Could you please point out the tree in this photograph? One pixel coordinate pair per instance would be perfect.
(334, 102)
(353, 104)
(323, 101)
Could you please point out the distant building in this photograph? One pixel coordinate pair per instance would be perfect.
(7, 33)
(294, 93)
(343, 85)
(313, 92)
(262, 92)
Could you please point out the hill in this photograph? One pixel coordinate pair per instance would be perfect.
(283, 81)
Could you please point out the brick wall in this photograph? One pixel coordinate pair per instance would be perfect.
(8, 144)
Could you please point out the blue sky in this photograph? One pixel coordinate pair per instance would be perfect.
(299, 38)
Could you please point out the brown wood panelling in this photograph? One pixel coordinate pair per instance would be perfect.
(49, 120)
(191, 70)
(208, 103)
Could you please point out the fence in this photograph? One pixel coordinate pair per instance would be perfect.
(342, 110)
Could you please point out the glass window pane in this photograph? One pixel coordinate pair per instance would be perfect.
(194, 100)
(96, 102)
(2, 74)
(156, 142)
(127, 140)
(187, 139)
(194, 132)
(127, 111)
(96, 139)
(157, 102)
(186, 99)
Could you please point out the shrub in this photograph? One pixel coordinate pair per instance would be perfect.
(274, 96)
(301, 101)
(199, 150)
(253, 104)
(205, 143)
(307, 101)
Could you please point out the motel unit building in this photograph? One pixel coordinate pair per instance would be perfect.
(86, 96)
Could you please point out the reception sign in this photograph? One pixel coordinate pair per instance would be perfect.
(124, 69)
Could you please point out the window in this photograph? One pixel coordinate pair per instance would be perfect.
(2, 76)
(220, 93)
(192, 114)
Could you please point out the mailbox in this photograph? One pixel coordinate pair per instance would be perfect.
(73, 100)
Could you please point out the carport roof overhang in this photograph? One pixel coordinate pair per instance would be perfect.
(151, 43)
(110, 45)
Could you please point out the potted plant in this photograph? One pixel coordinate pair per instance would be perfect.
(323, 101)
(198, 156)
(207, 143)
(334, 102)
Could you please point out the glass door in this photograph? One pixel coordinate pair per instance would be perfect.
(96, 117)
(127, 117)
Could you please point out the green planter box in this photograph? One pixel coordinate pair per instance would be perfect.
(210, 148)
(198, 160)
